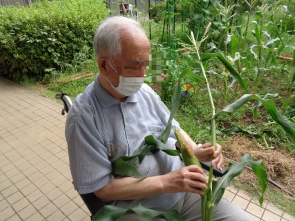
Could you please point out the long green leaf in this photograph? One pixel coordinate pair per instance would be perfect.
(112, 213)
(170, 215)
(221, 37)
(228, 66)
(187, 73)
(234, 42)
(219, 186)
(158, 145)
(127, 165)
(121, 168)
(257, 35)
(109, 213)
(259, 171)
(269, 105)
(175, 106)
(137, 157)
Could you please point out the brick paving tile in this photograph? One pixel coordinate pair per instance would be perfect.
(36, 216)
(49, 209)
(241, 202)
(15, 217)
(4, 204)
(78, 214)
(21, 204)
(274, 209)
(41, 202)
(288, 217)
(57, 215)
(255, 210)
(27, 212)
(6, 213)
(270, 216)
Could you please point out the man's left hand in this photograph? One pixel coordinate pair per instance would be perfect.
(205, 152)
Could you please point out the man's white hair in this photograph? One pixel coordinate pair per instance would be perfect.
(107, 38)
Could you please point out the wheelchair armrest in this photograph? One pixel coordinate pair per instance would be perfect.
(216, 172)
(206, 166)
(66, 100)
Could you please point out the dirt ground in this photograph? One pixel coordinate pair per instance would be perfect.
(279, 163)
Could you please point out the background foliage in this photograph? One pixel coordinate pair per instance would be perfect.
(47, 34)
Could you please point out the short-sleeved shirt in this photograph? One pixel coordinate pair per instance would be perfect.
(98, 127)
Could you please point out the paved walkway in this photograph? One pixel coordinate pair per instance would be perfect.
(35, 181)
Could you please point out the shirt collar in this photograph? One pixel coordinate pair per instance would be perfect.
(106, 99)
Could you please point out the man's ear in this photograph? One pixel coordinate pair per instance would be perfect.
(102, 66)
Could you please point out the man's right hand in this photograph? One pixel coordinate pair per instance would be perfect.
(187, 179)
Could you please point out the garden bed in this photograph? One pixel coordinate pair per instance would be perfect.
(278, 162)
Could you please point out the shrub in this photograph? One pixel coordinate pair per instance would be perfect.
(157, 11)
(46, 35)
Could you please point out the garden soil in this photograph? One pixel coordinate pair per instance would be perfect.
(279, 162)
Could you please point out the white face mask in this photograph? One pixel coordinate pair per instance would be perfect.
(127, 85)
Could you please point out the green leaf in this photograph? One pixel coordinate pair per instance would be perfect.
(221, 38)
(112, 213)
(259, 171)
(158, 145)
(269, 105)
(188, 73)
(175, 106)
(170, 215)
(234, 43)
(228, 66)
(122, 168)
(127, 165)
(257, 35)
(109, 213)
(219, 186)
(293, 78)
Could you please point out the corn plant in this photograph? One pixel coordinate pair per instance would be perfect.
(215, 189)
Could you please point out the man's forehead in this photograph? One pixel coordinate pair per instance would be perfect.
(135, 58)
(137, 54)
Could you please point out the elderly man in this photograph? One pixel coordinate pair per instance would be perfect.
(111, 119)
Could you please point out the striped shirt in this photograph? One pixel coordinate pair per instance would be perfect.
(99, 126)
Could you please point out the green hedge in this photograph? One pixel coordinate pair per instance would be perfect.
(47, 34)
(157, 11)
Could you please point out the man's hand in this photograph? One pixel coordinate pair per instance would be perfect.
(206, 151)
(187, 179)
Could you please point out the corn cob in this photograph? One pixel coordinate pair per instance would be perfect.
(188, 155)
